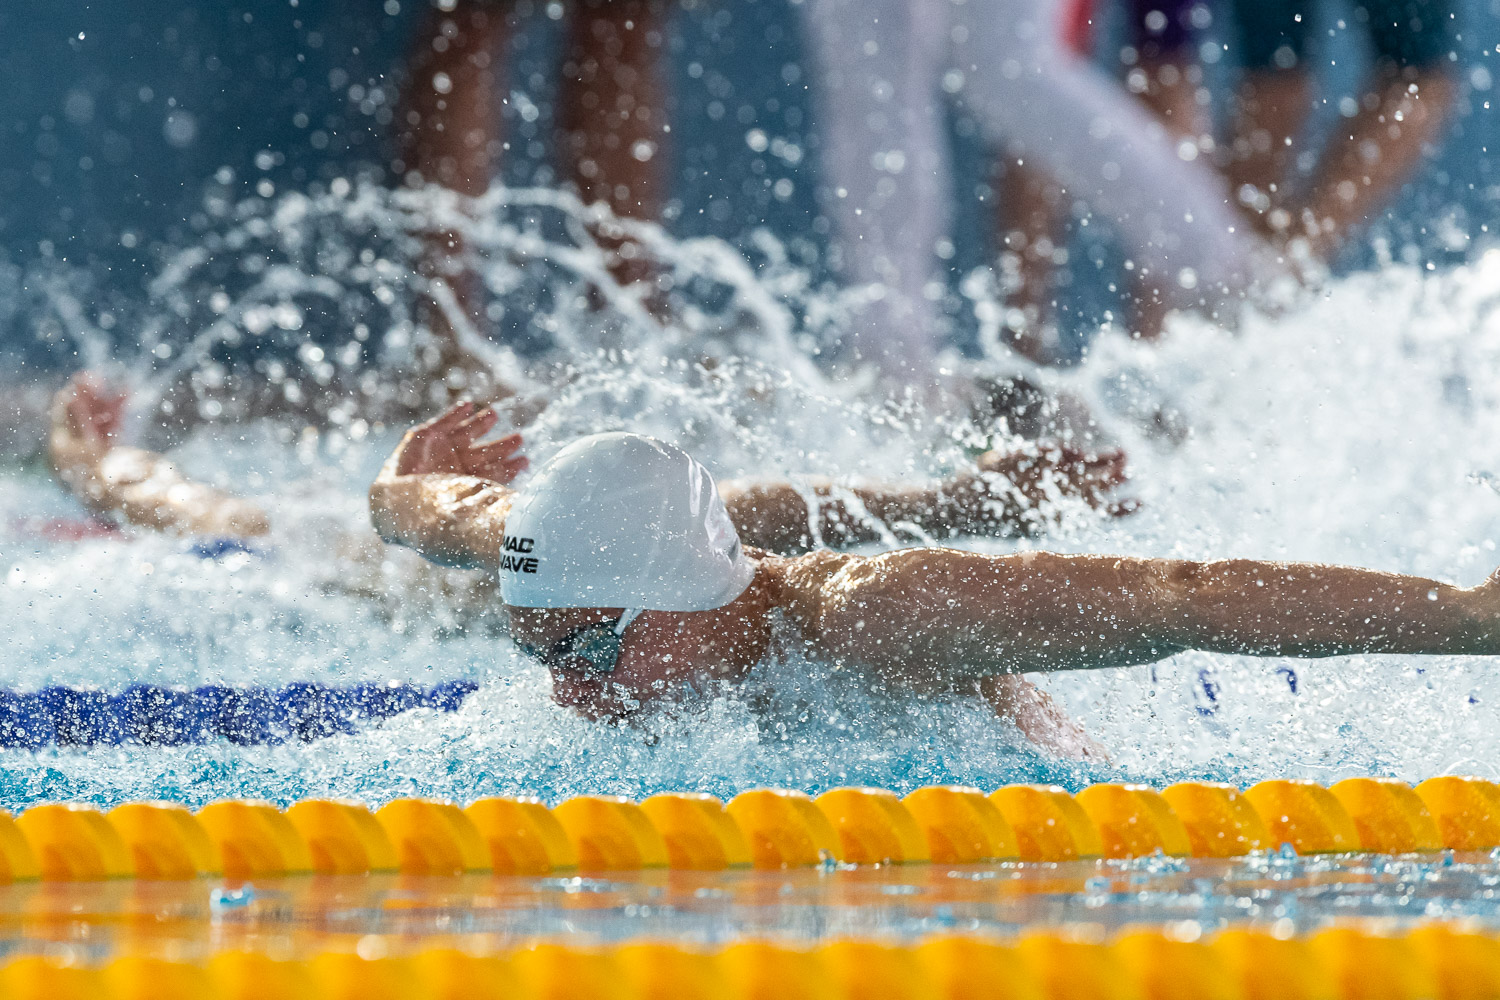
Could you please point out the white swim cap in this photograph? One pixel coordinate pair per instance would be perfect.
(622, 521)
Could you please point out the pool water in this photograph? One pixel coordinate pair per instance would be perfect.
(1357, 425)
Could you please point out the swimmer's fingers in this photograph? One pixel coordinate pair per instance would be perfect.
(500, 448)
(499, 460)
(1107, 468)
(479, 424)
(443, 424)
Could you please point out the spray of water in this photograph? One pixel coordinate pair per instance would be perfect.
(1357, 426)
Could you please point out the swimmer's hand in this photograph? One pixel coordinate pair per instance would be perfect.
(1040, 719)
(1045, 472)
(450, 444)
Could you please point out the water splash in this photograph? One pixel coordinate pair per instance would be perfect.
(1357, 426)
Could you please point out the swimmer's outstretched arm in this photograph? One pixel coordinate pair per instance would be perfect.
(939, 614)
(1005, 495)
(444, 494)
(139, 486)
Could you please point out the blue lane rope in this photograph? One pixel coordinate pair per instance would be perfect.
(153, 715)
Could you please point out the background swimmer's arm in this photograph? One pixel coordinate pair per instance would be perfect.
(1006, 494)
(444, 494)
(139, 486)
(918, 611)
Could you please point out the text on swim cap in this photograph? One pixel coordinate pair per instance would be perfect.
(513, 555)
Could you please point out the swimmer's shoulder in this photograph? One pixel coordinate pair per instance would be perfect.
(804, 583)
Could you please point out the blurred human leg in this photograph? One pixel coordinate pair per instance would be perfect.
(1167, 78)
(1031, 213)
(449, 134)
(1375, 153)
(1403, 110)
(612, 120)
(1052, 108)
(1271, 107)
(612, 112)
(450, 121)
(886, 167)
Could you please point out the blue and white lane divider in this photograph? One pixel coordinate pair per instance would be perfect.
(153, 715)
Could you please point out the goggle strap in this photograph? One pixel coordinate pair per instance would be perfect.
(630, 615)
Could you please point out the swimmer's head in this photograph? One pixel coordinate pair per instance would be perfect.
(625, 576)
(622, 520)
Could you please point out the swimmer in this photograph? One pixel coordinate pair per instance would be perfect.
(622, 571)
(139, 486)
(1005, 494)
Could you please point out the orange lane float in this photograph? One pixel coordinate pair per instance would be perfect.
(1163, 967)
(1465, 963)
(1364, 965)
(250, 975)
(1466, 810)
(699, 834)
(75, 843)
(433, 838)
(873, 969)
(760, 970)
(522, 835)
(961, 825)
(1389, 816)
(1265, 966)
(165, 841)
(972, 968)
(343, 838)
(1433, 961)
(561, 972)
(36, 977)
(138, 977)
(1304, 814)
(782, 828)
(347, 976)
(765, 828)
(659, 971)
(610, 833)
(17, 859)
(1219, 821)
(1049, 824)
(1133, 821)
(872, 826)
(255, 840)
(450, 974)
(1070, 969)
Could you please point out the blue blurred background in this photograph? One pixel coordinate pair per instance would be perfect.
(118, 116)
